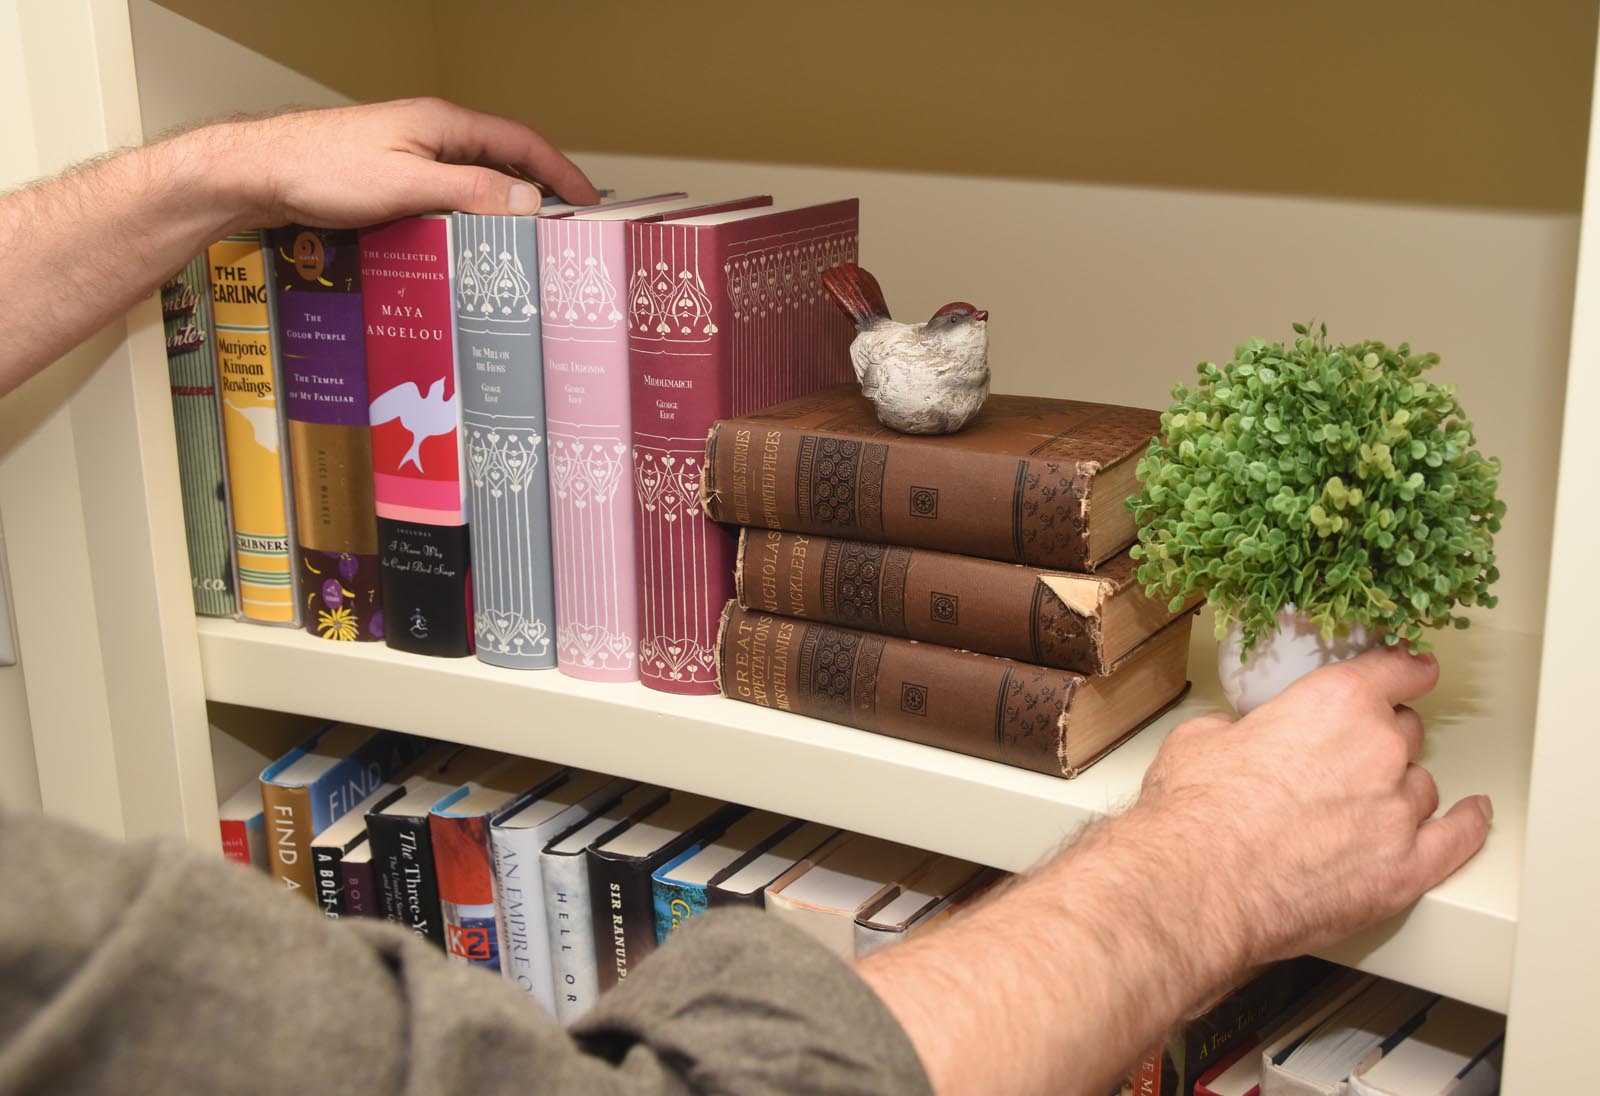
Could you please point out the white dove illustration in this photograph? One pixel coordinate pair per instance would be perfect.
(423, 417)
(263, 424)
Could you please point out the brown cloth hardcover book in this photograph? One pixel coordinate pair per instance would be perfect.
(1034, 717)
(1030, 480)
(1082, 622)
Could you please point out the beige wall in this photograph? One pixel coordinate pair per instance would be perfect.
(1462, 102)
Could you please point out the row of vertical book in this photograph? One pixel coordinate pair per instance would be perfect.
(458, 432)
(563, 881)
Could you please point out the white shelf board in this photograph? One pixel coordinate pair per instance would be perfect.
(1457, 940)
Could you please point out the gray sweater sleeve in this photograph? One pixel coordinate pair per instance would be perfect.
(151, 968)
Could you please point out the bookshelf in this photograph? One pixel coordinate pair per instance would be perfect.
(926, 797)
(118, 672)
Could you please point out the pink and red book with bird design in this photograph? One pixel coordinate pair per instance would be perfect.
(727, 314)
(407, 308)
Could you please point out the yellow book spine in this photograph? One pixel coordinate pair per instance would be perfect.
(252, 429)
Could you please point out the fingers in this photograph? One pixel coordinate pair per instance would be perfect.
(1449, 841)
(1409, 724)
(1395, 674)
(1420, 791)
(467, 136)
(469, 189)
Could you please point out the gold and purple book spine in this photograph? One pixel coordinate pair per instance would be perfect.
(317, 290)
(186, 316)
(252, 429)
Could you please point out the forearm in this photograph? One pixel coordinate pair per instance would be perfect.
(1065, 979)
(82, 248)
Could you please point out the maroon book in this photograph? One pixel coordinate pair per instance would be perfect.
(726, 315)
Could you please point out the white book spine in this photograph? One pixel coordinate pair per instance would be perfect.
(519, 897)
(575, 979)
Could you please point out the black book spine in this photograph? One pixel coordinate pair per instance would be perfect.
(623, 911)
(408, 887)
(424, 578)
(622, 902)
(719, 899)
(326, 861)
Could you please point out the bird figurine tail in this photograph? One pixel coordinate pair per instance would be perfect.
(856, 292)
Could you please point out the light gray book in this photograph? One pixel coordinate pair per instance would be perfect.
(501, 381)
(564, 868)
(517, 837)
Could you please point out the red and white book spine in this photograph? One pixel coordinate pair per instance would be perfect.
(724, 319)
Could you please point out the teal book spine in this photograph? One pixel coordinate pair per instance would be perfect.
(196, 418)
(675, 901)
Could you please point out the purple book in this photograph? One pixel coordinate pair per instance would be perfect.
(317, 285)
(358, 884)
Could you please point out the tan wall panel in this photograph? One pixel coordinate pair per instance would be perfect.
(368, 49)
(1477, 103)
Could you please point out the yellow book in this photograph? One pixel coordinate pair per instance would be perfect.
(252, 429)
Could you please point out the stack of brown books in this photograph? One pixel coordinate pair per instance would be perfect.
(970, 591)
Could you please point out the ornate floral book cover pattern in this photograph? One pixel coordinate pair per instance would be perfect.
(994, 708)
(414, 411)
(975, 604)
(723, 319)
(502, 410)
(1017, 484)
(253, 429)
(192, 373)
(583, 290)
(317, 283)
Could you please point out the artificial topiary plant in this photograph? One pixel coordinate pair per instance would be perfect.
(1332, 478)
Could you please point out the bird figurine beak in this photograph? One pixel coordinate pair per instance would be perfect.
(981, 314)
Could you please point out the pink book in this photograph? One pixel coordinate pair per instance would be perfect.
(727, 315)
(583, 285)
(424, 559)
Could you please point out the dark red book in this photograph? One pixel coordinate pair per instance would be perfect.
(726, 315)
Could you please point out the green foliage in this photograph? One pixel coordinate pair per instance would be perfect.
(1334, 478)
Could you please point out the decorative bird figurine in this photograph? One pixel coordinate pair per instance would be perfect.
(924, 378)
(423, 417)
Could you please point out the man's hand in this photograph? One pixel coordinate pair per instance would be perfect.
(367, 164)
(1314, 804)
(1252, 840)
(111, 232)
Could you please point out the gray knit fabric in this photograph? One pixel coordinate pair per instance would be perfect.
(152, 968)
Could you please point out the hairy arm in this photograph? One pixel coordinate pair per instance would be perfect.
(1252, 841)
(79, 250)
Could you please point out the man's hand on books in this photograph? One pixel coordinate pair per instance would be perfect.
(1315, 805)
(361, 165)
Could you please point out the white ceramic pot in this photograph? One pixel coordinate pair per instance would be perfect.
(1279, 659)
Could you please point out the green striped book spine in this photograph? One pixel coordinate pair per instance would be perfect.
(186, 316)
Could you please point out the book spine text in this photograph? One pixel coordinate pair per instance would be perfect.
(502, 408)
(582, 285)
(416, 439)
(317, 287)
(252, 429)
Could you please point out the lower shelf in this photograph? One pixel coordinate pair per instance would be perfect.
(1457, 941)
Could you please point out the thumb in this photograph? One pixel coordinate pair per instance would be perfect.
(1449, 841)
(470, 189)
